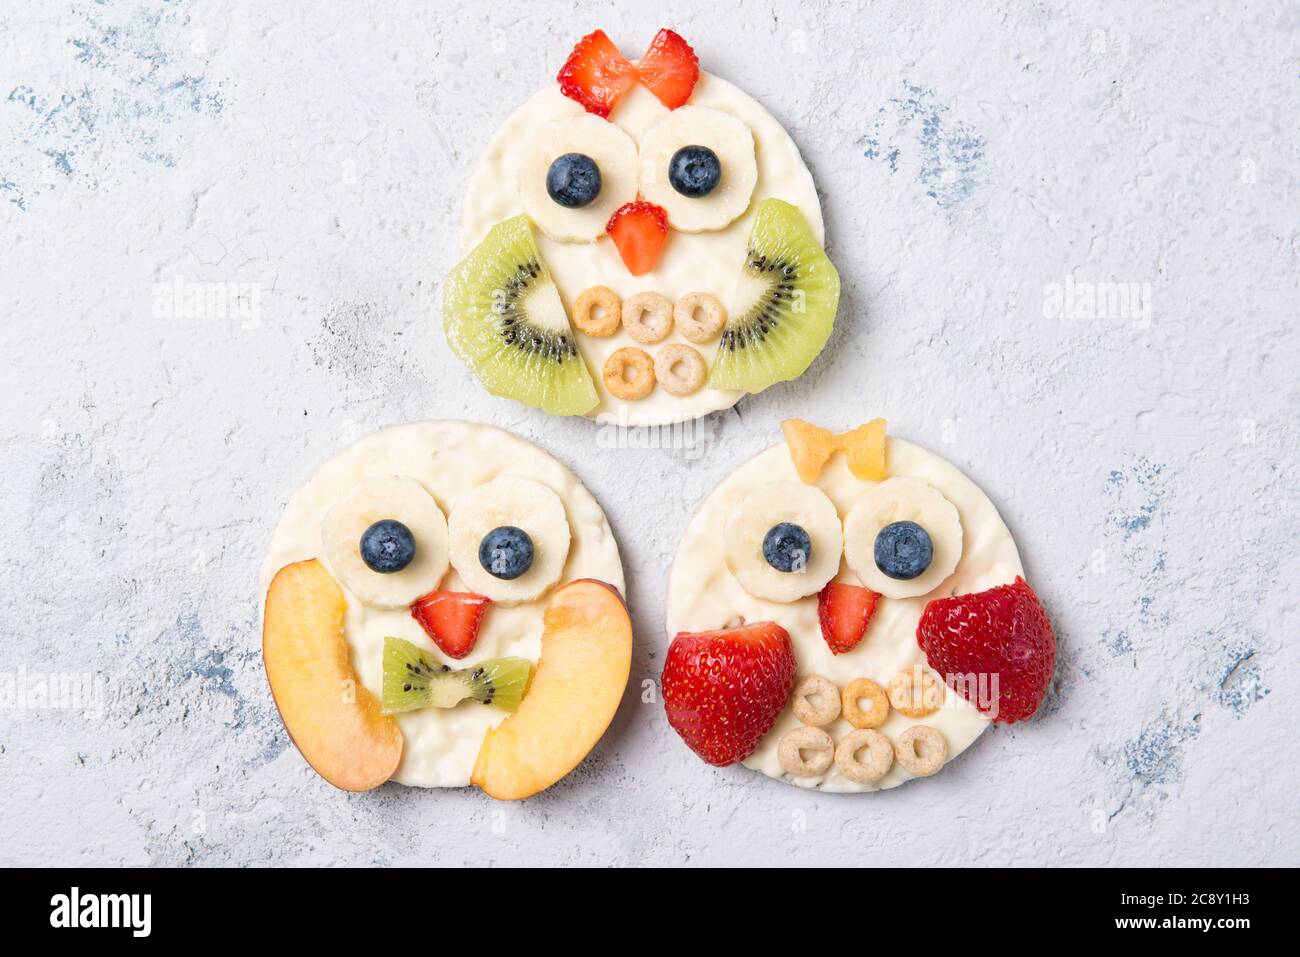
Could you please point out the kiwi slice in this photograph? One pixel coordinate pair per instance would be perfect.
(413, 679)
(504, 318)
(786, 304)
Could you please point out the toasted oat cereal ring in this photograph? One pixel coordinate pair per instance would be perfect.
(922, 750)
(864, 689)
(699, 316)
(806, 752)
(598, 312)
(680, 369)
(816, 701)
(629, 373)
(864, 756)
(915, 692)
(648, 317)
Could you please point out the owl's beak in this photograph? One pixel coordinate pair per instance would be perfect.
(639, 230)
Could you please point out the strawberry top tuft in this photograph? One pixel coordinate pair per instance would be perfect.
(669, 69)
(596, 75)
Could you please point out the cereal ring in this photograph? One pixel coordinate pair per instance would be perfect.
(854, 692)
(648, 317)
(602, 324)
(922, 750)
(793, 745)
(617, 367)
(879, 756)
(692, 373)
(699, 316)
(911, 699)
(823, 689)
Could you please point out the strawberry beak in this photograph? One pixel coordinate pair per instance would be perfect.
(639, 230)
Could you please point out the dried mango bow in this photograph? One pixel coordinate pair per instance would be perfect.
(811, 446)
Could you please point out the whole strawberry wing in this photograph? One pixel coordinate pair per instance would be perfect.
(723, 690)
(451, 619)
(596, 75)
(669, 69)
(844, 612)
(1002, 632)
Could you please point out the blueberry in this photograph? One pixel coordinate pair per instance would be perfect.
(694, 171)
(903, 550)
(387, 546)
(787, 547)
(573, 180)
(506, 552)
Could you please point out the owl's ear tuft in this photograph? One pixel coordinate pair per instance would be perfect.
(669, 69)
(596, 75)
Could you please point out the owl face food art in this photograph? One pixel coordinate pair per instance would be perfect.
(443, 608)
(849, 612)
(641, 241)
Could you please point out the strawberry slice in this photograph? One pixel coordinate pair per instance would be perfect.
(669, 69)
(639, 230)
(844, 612)
(451, 619)
(723, 690)
(1002, 632)
(596, 75)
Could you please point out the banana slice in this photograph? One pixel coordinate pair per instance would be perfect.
(372, 500)
(757, 539)
(614, 153)
(902, 499)
(516, 504)
(730, 141)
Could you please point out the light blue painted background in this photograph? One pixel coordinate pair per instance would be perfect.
(314, 156)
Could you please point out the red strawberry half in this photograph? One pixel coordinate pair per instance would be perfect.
(723, 690)
(451, 619)
(596, 74)
(669, 69)
(1004, 632)
(639, 230)
(844, 612)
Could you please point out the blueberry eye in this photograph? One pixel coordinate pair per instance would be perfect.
(573, 180)
(506, 552)
(787, 547)
(387, 546)
(694, 171)
(903, 550)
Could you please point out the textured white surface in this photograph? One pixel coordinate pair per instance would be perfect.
(313, 159)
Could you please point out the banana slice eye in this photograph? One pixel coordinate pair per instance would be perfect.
(509, 539)
(698, 164)
(783, 541)
(573, 173)
(902, 538)
(386, 541)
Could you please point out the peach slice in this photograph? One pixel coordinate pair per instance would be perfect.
(334, 721)
(580, 678)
